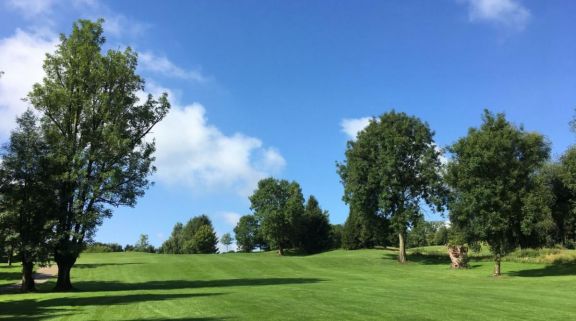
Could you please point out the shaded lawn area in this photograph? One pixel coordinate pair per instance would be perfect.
(338, 285)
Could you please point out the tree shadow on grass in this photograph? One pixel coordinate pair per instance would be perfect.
(548, 270)
(10, 275)
(97, 265)
(31, 309)
(433, 259)
(96, 286)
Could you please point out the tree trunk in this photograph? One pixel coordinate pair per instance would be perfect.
(401, 249)
(280, 250)
(497, 271)
(28, 284)
(459, 256)
(10, 256)
(65, 264)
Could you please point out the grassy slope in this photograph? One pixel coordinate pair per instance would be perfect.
(338, 285)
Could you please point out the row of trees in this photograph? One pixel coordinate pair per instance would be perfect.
(79, 154)
(499, 186)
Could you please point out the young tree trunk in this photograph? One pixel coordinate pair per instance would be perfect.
(28, 284)
(402, 249)
(65, 264)
(10, 256)
(497, 271)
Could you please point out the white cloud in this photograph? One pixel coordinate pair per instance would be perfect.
(31, 8)
(351, 126)
(193, 153)
(21, 58)
(231, 218)
(505, 13)
(163, 66)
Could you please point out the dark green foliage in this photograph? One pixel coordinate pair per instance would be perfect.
(314, 228)
(247, 232)
(27, 207)
(279, 206)
(496, 195)
(561, 178)
(196, 237)
(427, 233)
(336, 232)
(95, 127)
(204, 241)
(390, 170)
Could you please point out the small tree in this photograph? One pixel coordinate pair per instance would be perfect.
(390, 171)
(279, 206)
(226, 240)
(247, 233)
(495, 196)
(143, 245)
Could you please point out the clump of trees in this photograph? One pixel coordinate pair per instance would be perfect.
(63, 173)
(196, 237)
(283, 220)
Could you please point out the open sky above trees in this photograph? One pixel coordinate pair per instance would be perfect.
(277, 88)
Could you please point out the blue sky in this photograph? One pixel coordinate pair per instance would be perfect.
(276, 88)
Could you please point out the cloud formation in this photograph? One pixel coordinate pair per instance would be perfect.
(21, 58)
(163, 66)
(195, 154)
(510, 14)
(351, 126)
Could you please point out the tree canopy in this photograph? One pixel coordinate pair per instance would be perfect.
(390, 170)
(496, 196)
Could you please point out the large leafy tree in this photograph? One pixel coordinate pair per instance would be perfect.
(95, 127)
(279, 206)
(27, 205)
(496, 196)
(391, 169)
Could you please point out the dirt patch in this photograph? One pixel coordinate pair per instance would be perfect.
(42, 275)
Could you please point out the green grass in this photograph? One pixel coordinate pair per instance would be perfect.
(338, 285)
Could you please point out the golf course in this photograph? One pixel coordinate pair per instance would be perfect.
(335, 285)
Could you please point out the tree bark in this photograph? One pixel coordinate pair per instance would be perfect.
(459, 256)
(280, 250)
(28, 284)
(497, 271)
(401, 249)
(65, 263)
